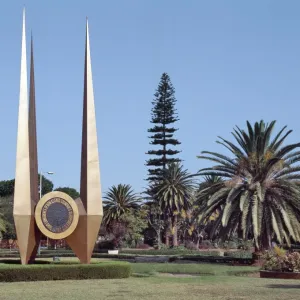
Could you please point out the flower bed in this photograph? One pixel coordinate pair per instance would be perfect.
(279, 275)
(279, 264)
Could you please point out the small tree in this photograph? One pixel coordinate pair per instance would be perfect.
(163, 114)
(136, 223)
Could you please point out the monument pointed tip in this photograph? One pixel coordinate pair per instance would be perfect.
(31, 41)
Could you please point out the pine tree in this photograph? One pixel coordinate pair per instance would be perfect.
(163, 114)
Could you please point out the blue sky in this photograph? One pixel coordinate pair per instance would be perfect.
(229, 61)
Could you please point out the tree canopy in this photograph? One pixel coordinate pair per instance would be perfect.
(69, 191)
(163, 115)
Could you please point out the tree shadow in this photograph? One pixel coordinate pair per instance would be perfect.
(284, 286)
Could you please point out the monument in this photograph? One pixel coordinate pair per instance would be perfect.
(56, 215)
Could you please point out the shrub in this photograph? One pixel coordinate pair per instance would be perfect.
(143, 246)
(163, 247)
(245, 244)
(206, 244)
(105, 245)
(191, 246)
(236, 243)
(279, 251)
(230, 245)
(281, 262)
(238, 254)
(58, 271)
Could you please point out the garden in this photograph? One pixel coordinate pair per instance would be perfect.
(155, 281)
(208, 235)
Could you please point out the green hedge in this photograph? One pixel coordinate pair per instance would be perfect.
(58, 271)
(168, 252)
(132, 253)
(238, 254)
(215, 259)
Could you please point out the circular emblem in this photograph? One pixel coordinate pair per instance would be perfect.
(56, 215)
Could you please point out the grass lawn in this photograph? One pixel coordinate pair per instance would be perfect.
(207, 287)
(162, 281)
(195, 269)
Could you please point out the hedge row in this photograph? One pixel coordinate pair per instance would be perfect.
(13, 273)
(238, 254)
(215, 259)
(129, 254)
(170, 252)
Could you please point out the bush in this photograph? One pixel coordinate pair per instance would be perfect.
(58, 271)
(105, 245)
(143, 246)
(238, 254)
(236, 243)
(230, 245)
(191, 246)
(206, 244)
(245, 244)
(281, 262)
(163, 246)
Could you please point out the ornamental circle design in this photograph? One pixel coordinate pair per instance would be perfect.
(57, 215)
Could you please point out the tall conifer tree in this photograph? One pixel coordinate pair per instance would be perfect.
(163, 115)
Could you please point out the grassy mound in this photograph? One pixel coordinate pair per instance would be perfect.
(12, 272)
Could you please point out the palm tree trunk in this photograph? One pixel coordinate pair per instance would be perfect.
(198, 241)
(175, 233)
(168, 231)
(158, 233)
(167, 238)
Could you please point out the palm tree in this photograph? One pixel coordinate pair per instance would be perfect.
(118, 201)
(260, 194)
(194, 227)
(175, 192)
(209, 181)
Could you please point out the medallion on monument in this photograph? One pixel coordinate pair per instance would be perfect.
(56, 215)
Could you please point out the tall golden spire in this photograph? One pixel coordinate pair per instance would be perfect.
(82, 241)
(25, 194)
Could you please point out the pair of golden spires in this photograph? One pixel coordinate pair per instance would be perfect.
(26, 194)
